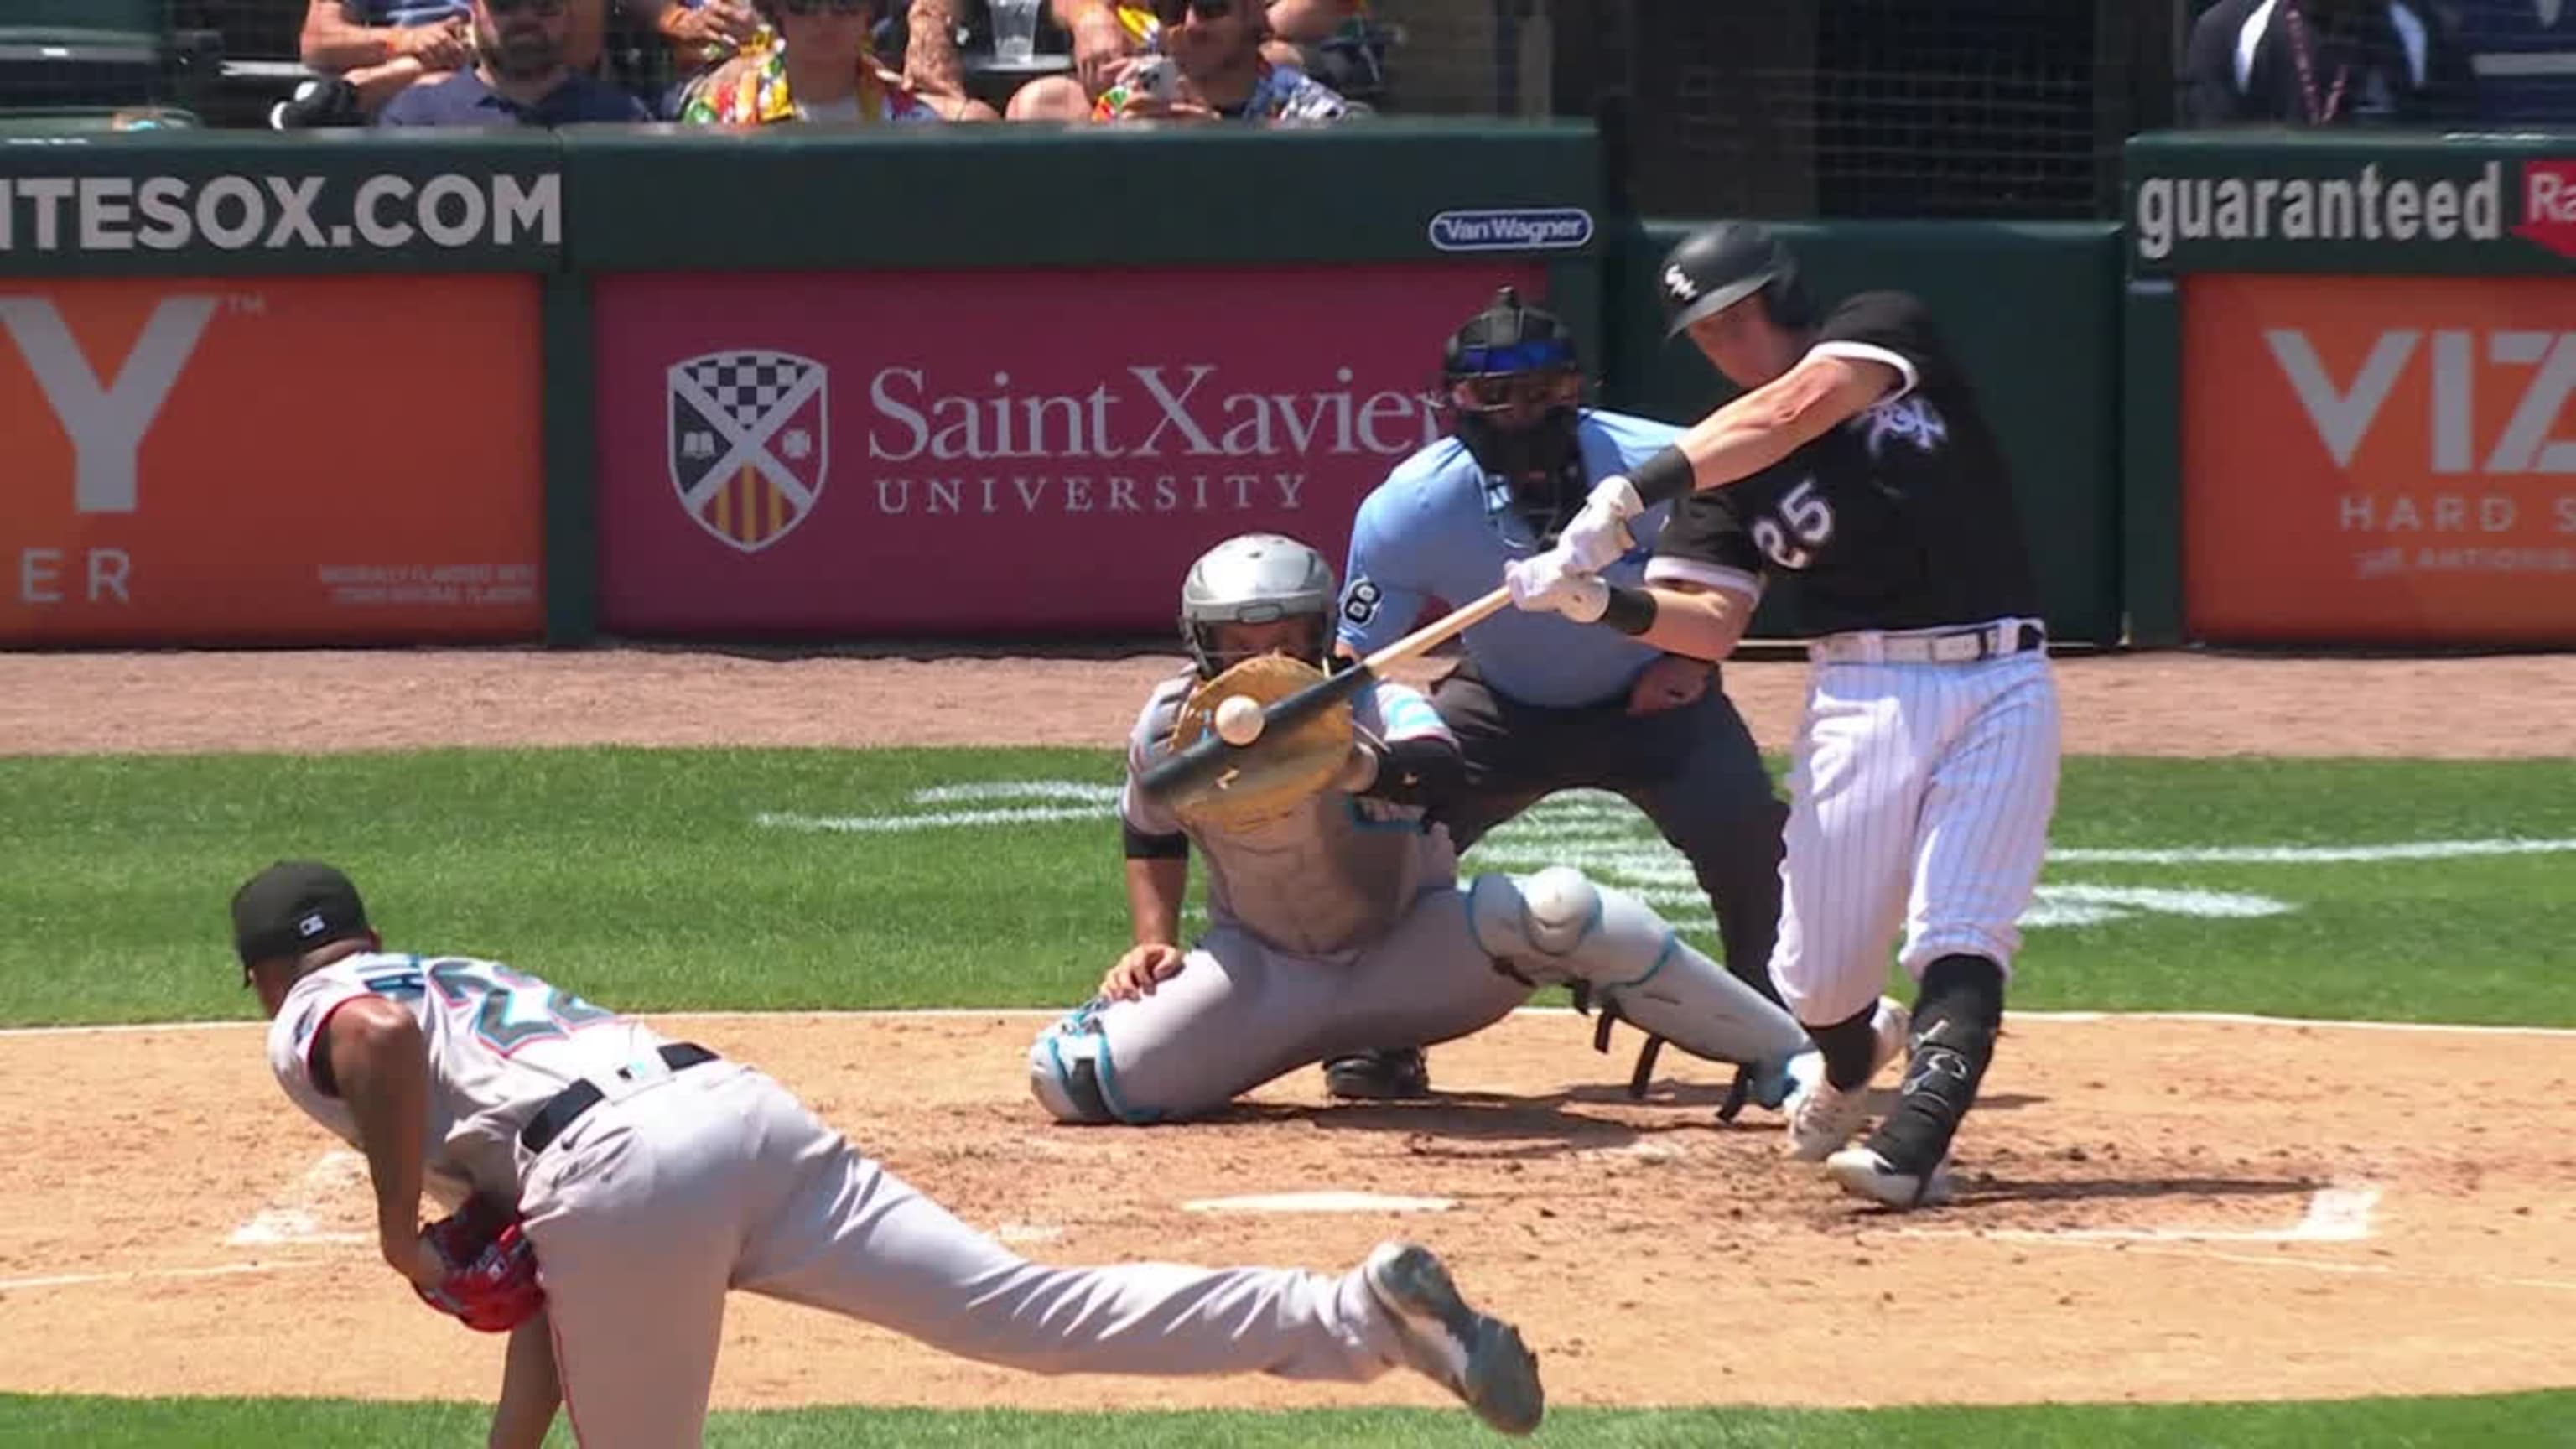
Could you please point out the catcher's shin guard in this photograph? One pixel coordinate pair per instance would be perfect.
(1557, 926)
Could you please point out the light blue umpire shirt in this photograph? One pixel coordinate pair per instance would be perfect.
(1441, 528)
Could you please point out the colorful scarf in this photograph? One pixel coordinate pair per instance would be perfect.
(751, 90)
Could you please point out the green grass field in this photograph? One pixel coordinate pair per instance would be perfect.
(658, 880)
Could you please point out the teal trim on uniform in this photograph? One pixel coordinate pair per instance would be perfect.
(1663, 958)
(1055, 1064)
(1469, 896)
(1109, 1086)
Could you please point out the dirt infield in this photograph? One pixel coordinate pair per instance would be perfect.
(2153, 1209)
(2158, 704)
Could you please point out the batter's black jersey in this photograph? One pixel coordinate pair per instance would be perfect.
(1901, 518)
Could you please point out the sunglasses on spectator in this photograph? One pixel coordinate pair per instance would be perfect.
(1172, 12)
(513, 7)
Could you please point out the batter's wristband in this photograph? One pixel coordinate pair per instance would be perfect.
(1631, 611)
(1664, 477)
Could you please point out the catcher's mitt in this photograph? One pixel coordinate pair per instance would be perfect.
(1275, 773)
(491, 1278)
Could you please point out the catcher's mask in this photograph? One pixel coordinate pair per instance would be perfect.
(1255, 578)
(1514, 392)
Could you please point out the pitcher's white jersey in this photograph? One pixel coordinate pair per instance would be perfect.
(501, 1044)
(1327, 878)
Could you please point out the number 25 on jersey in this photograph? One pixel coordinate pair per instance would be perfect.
(507, 1010)
(1790, 534)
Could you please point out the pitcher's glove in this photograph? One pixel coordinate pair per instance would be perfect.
(491, 1278)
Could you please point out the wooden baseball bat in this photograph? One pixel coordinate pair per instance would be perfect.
(1211, 756)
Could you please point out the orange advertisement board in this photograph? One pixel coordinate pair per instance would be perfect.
(269, 460)
(2379, 459)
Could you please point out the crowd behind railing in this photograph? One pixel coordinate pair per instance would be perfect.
(726, 62)
(1831, 108)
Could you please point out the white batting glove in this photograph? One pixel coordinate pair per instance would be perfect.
(1545, 584)
(1598, 534)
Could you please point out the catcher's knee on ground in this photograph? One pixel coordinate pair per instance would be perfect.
(1072, 1076)
(1557, 926)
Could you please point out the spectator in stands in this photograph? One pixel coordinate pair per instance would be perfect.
(813, 60)
(379, 48)
(2323, 63)
(1219, 70)
(370, 51)
(706, 33)
(1331, 39)
(522, 75)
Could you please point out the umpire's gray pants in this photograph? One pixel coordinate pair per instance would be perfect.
(1693, 770)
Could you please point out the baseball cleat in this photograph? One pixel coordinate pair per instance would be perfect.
(1823, 1120)
(1395, 1074)
(1478, 1357)
(1864, 1173)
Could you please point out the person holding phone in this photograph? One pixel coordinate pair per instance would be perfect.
(1202, 60)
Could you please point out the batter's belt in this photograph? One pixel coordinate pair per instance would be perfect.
(564, 1107)
(1931, 646)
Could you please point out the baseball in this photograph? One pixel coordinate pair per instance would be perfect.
(1238, 719)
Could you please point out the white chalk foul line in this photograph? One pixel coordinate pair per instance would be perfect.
(289, 1217)
(2312, 854)
(2334, 1215)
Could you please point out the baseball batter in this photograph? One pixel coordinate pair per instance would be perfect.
(1857, 470)
(1339, 923)
(646, 1178)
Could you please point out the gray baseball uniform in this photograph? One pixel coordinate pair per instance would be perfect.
(693, 1175)
(1342, 927)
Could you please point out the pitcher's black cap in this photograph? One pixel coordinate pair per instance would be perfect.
(292, 907)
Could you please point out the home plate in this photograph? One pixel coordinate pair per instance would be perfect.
(1319, 1202)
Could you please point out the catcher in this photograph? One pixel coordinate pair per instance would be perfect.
(1336, 919)
(613, 1186)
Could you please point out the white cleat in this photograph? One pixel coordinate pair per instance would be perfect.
(1863, 1173)
(1823, 1120)
(1478, 1357)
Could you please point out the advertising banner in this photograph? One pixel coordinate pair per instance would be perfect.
(2379, 459)
(2427, 204)
(269, 460)
(1031, 453)
(214, 202)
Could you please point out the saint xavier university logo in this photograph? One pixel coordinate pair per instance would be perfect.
(747, 443)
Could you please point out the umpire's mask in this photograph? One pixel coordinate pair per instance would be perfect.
(1514, 393)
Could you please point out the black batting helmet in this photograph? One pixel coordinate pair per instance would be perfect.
(1718, 266)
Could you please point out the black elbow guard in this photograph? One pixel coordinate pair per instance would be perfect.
(1145, 845)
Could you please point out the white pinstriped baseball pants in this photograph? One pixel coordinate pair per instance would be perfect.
(1919, 794)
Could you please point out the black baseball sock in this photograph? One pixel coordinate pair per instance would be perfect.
(1847, 1047)
(1956, 1016)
